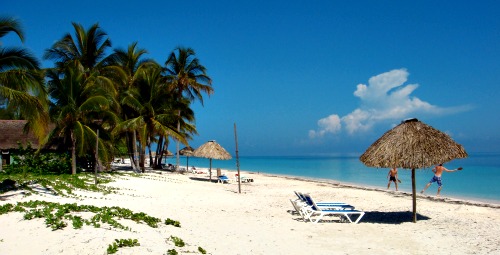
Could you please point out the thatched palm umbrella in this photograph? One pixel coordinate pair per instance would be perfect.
(168, 153)
(211, 150)
(411, 145)
(186, 151)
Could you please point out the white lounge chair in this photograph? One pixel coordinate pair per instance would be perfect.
(315, 213)
(298, 208)
(223, 179)
(307, 200)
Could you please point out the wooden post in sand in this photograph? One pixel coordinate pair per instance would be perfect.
(237, 159)
(414, 196)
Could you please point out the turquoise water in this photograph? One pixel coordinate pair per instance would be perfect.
(479, 180)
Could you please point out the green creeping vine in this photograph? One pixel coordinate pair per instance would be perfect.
(177, 241)
(56, 214)
(62, 185)
(174, 223)
(202, 251)
(118, 243)
(172, 252)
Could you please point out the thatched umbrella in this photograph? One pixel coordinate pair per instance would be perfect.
(168, 153)
(211, 150)
(186, 151)
(411, 145)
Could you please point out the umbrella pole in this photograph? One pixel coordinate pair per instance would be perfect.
(237, 159)
(210, 170)
(414, 189)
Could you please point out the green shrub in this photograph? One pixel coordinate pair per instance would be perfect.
(27, 161)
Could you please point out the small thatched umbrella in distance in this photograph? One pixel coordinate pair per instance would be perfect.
(410, 145)
(188, 152)
(211, 150)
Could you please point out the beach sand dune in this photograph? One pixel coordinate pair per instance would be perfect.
(260, 220)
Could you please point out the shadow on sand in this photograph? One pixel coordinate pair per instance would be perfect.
(391, 217)
(203, 179)
(374, 217)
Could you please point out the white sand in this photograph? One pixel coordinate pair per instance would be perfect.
(217, 218)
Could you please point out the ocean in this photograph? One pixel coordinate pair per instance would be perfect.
(478, 181)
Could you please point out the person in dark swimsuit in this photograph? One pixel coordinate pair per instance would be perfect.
(393, 177)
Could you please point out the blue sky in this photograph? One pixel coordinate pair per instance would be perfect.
(310, 77)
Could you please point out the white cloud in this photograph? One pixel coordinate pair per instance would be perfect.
(330, 124)
(386, 97)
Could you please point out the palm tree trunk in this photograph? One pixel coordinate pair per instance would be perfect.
(73, 153)
(159, 153)
(136, 156)
(142, 156)
(177, 145)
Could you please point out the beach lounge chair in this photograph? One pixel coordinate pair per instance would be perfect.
(307, 200)
(327, 205)
(243, 178)
(316, 213)
(298, 208)
(223, 179)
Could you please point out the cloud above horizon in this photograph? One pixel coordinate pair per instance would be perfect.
(385, 98)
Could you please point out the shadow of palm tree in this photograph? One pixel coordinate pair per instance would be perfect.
(391, 217)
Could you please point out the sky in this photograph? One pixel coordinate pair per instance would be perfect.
(308, 77)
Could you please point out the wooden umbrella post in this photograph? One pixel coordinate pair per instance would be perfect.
(237, 159)
(414, 190)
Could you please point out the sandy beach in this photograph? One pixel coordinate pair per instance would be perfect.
(260, 220)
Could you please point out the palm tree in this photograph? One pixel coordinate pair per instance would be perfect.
(83, 88)
(88, 47)
(187, 78)
(131, 62)
(77, 102)
(152, 109)
(21, 82)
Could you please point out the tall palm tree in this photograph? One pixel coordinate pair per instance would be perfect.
(21, 81)
(152, 108)
(79, 99)
(187, 78)
(82, 86)
(131, 62)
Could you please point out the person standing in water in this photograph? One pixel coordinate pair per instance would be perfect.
(393, 177)
(438, 172)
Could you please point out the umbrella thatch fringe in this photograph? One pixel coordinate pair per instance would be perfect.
(412, 145)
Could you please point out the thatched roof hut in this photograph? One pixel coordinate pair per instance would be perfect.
(13, 132)
(411, 145)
